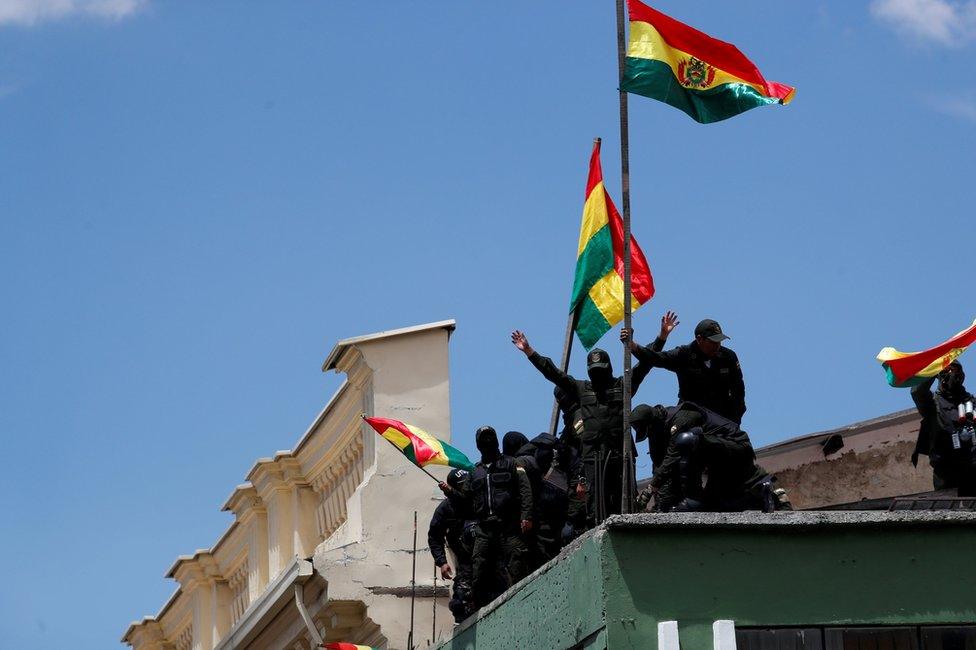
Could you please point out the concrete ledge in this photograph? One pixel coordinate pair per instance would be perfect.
(805, 519)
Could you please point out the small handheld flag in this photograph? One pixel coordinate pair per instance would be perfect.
(339, 645)
(418, 446)
(708, 79)
(598, 291)
(906, 369)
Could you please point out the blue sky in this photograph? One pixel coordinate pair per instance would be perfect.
(198, 199)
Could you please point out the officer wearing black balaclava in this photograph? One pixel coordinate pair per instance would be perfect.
(946, 431)
(600, 399)
(699, 442)
(452, 522)
(500, 497)
(550, 497)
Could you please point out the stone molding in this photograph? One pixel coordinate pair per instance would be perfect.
(289, 505)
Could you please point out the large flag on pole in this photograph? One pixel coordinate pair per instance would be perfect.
(598, 292)
(418, 446)
(708, 79)
(905, 369)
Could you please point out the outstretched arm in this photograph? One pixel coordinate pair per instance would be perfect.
(543, 364)
(653, 354)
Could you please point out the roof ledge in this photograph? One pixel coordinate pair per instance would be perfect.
(340, 347)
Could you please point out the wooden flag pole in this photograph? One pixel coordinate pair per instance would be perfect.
(564, 365)
(626, 478)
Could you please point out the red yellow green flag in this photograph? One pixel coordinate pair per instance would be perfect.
(708, 79)
(345, 646)
(598, 291)
(905, 369)
(418, 446)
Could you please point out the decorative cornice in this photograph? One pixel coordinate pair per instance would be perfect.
(189, 570)
(243, 501)
(278, 473)
(145, 631)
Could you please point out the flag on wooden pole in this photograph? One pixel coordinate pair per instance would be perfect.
(598, 291)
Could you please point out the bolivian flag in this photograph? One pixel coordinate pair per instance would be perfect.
(598, 292)
(345, 646)
(418, 446)
(907, 369)
(708, 79)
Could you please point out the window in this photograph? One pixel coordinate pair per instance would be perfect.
(926, 637)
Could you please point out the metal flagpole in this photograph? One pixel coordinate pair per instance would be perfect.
(626, 478)
(413, 582)
(433, 617)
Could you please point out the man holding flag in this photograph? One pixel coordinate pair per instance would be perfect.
(946, 434)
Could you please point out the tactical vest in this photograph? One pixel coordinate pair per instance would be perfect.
(602, 414)
(495, 491)
(947, 412)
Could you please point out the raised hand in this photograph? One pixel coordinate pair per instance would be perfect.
(668, 322)
(522, 343)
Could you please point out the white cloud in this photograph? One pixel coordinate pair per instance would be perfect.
(943, 22)
(960, 106)
(32, 12)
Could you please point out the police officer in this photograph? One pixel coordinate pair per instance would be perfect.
(568, 461)
(702, 441)
(549, 496)
(943, 436)
(641, 419)
(451, 522)
(708, 373)
(600, 400)
(501, 503)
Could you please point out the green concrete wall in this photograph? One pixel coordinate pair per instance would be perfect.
(784, 577)
(557, 609)
(612, 588)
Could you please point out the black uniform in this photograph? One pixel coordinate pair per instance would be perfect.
(702, 441)
(450, 523)
(951, 467)
(600, 400)
(549, 497)
(500, 497)
(715, 383)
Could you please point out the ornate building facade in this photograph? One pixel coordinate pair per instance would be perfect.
(325, 530)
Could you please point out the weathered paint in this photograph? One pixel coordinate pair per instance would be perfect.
(802, 569)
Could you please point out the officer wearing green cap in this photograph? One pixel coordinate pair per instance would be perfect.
(708, 372)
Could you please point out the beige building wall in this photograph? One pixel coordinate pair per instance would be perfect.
(875, 462)
(342, 496)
